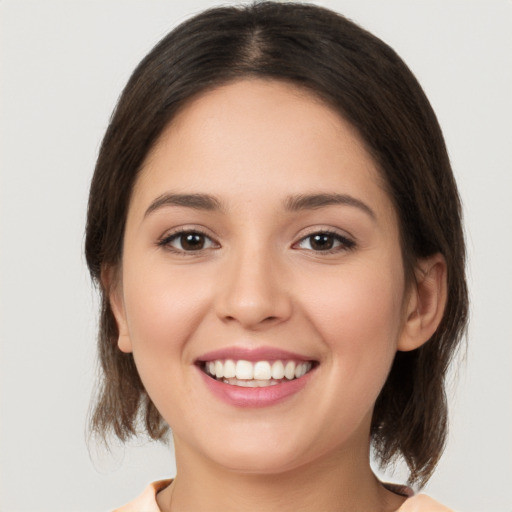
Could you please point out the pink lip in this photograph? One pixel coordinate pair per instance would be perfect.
(252, 354)
(255, 397)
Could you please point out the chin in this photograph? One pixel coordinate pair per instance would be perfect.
(262, 463)
(259, 456)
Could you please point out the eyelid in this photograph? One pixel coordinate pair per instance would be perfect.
(346, 241)
(169, 236)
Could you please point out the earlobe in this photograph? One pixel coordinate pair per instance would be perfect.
(426, 303)
(113, 288)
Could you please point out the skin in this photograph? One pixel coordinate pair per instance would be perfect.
(259, 281)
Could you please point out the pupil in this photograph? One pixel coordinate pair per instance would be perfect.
(321, 242)
(192, 241)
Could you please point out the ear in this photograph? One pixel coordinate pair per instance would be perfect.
(112, 285)
(425, 304)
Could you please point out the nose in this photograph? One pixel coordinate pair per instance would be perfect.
(253, 291)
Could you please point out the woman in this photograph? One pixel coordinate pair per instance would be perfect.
(276, 231)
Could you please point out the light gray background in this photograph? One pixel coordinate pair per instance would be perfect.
(63, 65)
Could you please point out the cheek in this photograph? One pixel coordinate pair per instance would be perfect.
(358, 316)
(357, 302)
(163, 307)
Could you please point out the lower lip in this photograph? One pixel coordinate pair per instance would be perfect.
(255, 397)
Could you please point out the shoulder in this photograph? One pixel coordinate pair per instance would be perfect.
(146, 502)
(422, 503)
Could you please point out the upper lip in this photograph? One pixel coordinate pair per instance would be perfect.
(252, 354)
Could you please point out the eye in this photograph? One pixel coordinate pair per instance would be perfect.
(188, 241)
(325, 241)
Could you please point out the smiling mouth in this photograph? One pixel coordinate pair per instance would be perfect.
(250, 374)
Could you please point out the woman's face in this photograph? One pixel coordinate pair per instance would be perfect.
(261, 244)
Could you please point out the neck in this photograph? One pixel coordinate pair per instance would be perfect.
(341, 482)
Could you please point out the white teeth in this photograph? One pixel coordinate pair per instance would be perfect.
(302, 369)
(244, 370)
(258, 374)
(278, 370)
(246, 383)
(229, 369)
(262, 370)
(250, 383)
(289, 370)
(219, 369)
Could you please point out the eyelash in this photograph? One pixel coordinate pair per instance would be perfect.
(344, 243)
(166, 241)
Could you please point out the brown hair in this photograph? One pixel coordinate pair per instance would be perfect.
(369, 85)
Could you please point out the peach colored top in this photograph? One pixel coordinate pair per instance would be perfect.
(146, 502)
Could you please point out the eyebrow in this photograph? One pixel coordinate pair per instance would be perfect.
(293, 203)
(195, 201)
(314, 201)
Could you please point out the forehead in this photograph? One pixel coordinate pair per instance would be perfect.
(255, 138)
